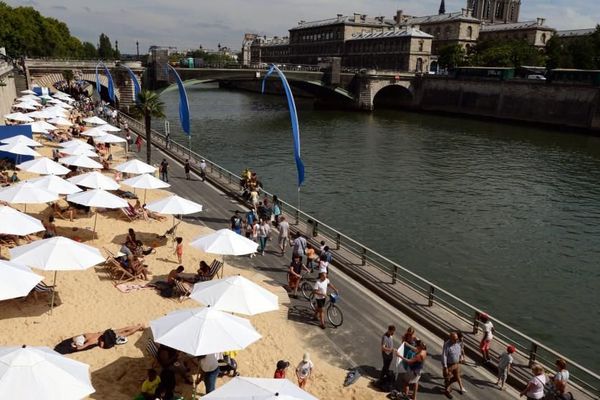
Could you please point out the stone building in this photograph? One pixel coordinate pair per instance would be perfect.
(310, 41)
(495, 11)
(397, 50)
(269, 50)
(246, 48)
(459, 28)
(536, 33)
(569, 35)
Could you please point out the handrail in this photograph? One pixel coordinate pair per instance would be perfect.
(426, 287)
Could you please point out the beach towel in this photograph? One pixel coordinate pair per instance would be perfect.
(130, 287)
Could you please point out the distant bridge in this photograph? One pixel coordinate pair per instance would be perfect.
(363, 90)
(47, 72)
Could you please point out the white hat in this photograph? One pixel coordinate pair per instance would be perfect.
(306, 357)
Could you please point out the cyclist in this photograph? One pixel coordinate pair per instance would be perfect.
(320, 292)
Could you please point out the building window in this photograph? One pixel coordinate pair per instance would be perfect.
(447, 33)
(543, 38)
(470, 32)
(421, 45)
(419, 64)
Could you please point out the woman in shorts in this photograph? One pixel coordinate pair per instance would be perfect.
(415, 367)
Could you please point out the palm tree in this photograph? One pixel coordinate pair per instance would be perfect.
(148, 106)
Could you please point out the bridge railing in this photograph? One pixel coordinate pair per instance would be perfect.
(581, 377)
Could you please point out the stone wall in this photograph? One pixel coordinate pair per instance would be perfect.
(8, 91)
(532, 101)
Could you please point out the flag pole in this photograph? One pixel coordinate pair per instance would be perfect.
(298, 207)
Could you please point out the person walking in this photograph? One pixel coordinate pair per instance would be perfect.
(294, 274)
(284, 234)
(186, 168)
(236, 223)
(299, 246)
(451, 352)
(209, 364)
(138, 142)
(304, 370)
(264, 230)
(203, 170)
(164, 170)
(488, 335)
(387, 351)
(504, 364)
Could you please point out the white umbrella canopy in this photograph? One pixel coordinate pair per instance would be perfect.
(235, 294)
(94, 121)
(29, 97)
(20, 149)
(41, 127)
(79, 151)
(174, 205)
(136, 167)
(53, 183)
(109, 128)
(109, 138)
(200, 331)
(16, 280)
(93, 132)
(80, 161)
(76, 143)
(27, 91)
(25, 106)
(95, 180)
(146, 181)
(43, 166)
(19, 117)
(57, 253)
(259, 389)
(225, 242)
(21, 139)
(14, 222)
(97, 198)
(33, 373)
(60, 121)
(26, 193)
(41, 114)
(45, 97)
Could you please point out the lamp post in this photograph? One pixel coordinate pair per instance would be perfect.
(137, 46)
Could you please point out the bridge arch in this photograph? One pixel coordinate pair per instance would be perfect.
(396, 96)
(50, 79)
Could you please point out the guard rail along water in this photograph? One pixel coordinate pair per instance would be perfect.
(581, 378)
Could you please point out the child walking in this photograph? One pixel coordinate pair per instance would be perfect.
(504, 363)
(179, 249)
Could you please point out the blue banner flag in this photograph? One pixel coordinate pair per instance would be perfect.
(136, 83)
(111, 86)
(184, 108)
(293, 118)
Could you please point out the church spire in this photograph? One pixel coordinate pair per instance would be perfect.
(442, 7)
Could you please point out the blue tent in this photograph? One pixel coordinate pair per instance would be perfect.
(15, 130)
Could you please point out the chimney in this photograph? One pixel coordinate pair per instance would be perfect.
(301, 22)
(339, 16)
(363, 17)
(541, 21)
(398, 17)
(356, 17)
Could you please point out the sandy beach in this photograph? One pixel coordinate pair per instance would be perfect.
(88, 301)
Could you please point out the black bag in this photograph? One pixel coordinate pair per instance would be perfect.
(109, 337)
(167, 292)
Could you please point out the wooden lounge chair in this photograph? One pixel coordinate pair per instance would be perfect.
(152, 352)
(9, 241)
(215, 268)
(41, 288)
(130, 214)
(182, 290)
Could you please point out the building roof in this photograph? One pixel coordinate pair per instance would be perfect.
(575, 32)
(364, 20)
(515, 26)
(271, 41)
(439, 18)
(408, 32)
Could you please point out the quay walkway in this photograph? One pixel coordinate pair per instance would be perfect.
(375, 292)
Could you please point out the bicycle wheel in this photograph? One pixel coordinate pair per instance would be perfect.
(307, 290)
(334, 315)
(313, 302)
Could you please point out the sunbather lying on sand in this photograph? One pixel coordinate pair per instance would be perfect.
(104, 340)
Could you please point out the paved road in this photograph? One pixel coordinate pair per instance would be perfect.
(366, 316)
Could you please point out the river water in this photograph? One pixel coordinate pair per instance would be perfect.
(504, 216)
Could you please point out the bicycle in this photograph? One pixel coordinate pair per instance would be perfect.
(306, 286)
(334, 313)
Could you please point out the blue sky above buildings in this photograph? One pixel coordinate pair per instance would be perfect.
(190, 23)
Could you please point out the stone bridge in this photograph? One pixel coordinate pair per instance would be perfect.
(365, 90)
(46, 73)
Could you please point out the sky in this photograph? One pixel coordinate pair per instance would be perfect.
(188, 24)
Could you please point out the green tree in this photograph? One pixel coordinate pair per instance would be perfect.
(89, 51)
(105, 49)
(452, 56)
(507, 53)
(149, 106)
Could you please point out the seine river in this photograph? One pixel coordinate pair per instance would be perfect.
(504, 216)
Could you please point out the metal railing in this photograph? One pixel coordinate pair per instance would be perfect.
(583, 378)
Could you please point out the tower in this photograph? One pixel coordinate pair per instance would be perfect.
(442, 9)
(495, 11)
